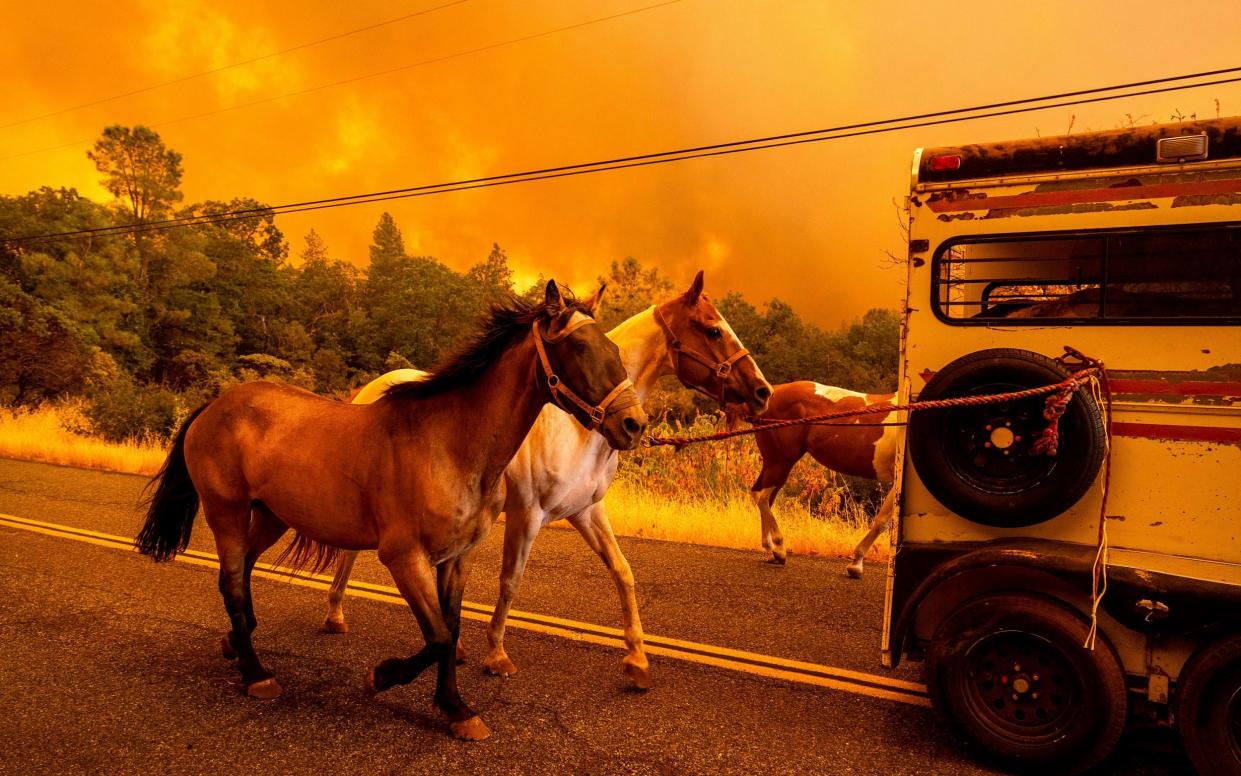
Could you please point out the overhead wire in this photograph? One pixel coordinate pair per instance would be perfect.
(365, 76)
(718, 149)
(243, 63)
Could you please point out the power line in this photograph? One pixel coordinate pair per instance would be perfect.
(787, 136)
(608, 163)
(222, 68)
(664, 157)
(366, 76)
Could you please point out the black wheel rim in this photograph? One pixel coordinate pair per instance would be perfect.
(991, 447)
(1022, 687)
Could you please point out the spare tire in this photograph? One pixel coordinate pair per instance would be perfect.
(979, 461)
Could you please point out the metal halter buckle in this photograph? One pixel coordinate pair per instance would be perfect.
(597, 413)
(721, 369)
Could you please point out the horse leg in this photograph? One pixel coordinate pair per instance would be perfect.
(335, 622)
(877, 524)
(770, 480)
(230, 527)
(265, 530)
(415, 578)
(450, 582)
(520, 528)
(593, 524)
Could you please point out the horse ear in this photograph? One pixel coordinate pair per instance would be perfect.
(555, 302)
(595, 300)
(695, 290)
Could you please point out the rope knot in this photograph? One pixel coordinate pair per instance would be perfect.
(1048, 442)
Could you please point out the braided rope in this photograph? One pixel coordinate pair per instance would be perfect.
(1061, 393)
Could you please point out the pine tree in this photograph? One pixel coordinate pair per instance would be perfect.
(138, 170)
(492, 276)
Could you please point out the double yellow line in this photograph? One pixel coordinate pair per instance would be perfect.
(857, 682)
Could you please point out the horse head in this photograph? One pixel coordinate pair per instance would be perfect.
(706, 353)
(583, 371)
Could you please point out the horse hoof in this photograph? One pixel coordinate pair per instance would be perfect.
(854, 571)
(460, 653)
(639, 676)
(472, 729)
(335, 626)
(265, 689)
(777, 560)
(500, 666)
(370, 681)
(226, 648)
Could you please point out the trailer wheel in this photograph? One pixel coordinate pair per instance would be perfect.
(979, 461)
(1208, 707)
(1010, 674)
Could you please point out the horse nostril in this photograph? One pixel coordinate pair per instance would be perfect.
(762, 392)
(632, 426)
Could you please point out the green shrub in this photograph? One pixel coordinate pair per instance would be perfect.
(120, 410)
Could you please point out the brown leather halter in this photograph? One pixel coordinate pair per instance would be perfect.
(721, 369)
(596, 413)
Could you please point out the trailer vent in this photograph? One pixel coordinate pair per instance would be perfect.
(1186, 148)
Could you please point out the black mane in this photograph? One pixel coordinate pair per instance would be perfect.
(499, 328)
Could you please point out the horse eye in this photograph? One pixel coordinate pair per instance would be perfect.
(714, 332)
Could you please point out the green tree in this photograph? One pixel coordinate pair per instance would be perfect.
(414, 305)
(89, 280)
(631, 289)
(252, 282)
(43, 352)
(325, 294)
(387, 245)
(492, 276)
(868, 351)
(138, 170)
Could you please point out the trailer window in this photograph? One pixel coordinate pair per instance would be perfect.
(1101, 277)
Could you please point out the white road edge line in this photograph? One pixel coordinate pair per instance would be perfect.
(846, 680)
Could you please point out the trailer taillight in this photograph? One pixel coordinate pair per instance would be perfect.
(946, 162)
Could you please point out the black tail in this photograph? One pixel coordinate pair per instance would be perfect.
(171, 508)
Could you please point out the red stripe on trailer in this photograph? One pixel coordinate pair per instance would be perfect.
(1070, 197)
(1179, 388)
(1172, 387)
(1177, 433)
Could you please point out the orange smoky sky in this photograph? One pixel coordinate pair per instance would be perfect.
(807, 224)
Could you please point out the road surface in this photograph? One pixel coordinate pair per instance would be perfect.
(110, 663)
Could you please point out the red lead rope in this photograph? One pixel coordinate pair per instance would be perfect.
(1057, 403)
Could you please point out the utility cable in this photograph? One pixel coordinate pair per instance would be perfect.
(222, 68)
(664, 157)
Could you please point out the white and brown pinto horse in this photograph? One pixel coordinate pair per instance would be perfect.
(860, 446)
(563, 472)
(416, 476)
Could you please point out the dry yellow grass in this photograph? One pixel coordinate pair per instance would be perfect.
(719, 514)
(732, 521)
(47, 434)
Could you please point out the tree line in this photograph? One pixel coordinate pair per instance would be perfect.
(144, 325)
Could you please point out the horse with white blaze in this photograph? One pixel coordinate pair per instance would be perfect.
(561, 471)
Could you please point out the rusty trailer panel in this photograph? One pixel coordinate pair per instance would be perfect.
(1129, 147)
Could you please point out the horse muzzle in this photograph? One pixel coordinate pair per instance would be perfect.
(623, 429)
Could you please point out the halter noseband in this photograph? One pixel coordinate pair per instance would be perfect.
(722, 369)
(596, 413)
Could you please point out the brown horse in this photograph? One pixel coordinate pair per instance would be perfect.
(416, 475)
(562, 471)
(859, 446)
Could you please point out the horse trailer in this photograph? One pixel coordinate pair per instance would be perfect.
(1059, 597)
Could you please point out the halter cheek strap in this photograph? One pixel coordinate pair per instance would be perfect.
(722, 369)
(613, 402)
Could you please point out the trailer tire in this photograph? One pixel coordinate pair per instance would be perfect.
(979, 461)
(1009, 673)
(1208, 707)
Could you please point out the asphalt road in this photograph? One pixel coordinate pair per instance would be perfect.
(110, 664)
